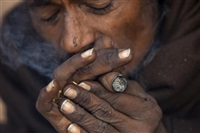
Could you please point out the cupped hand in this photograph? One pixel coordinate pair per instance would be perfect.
(70, 69)
(45, 104)
(96, 108)
(106, 60)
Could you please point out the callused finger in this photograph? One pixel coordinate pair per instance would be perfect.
(46, 96)
(81, 117)
(70, 66)
(101, 109)
(108, 79)
(112, 79)
(74, 128)
(106, 61)
(136, 104)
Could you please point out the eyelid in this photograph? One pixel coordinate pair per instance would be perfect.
(105, 8)
(98, 5)
(51, 18)
(100, 11)
(47, 13)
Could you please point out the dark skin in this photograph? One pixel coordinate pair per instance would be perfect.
(120, 34)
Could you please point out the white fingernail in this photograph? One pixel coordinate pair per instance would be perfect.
(67, 106)
(50, 86)
(87, 53)
(70, 93)
(85, 86)
(73, 128)
(124, 54)
(74, 82)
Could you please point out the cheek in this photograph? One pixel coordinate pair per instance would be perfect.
(123, 33)
(124, 27)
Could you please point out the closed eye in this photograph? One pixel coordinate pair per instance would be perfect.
(52, 18)
(100, 11)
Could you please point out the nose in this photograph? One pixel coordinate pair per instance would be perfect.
(77, 34)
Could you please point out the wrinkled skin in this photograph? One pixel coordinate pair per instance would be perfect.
(110, 27)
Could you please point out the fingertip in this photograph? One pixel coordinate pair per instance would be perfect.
(85, 86)
(50, 86)
(124, 53)
(67, 106)
(87, 53)
(73, 128)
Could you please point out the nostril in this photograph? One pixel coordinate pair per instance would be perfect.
(75, 42)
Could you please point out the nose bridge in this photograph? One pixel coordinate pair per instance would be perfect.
(76, 34)
(73, 29)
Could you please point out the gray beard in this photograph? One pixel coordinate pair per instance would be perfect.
(21, 45)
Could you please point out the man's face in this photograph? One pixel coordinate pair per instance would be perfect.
(77, 25)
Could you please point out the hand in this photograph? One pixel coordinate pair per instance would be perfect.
(106, 60)
(62, 77)
(45, 104)
(98, 109)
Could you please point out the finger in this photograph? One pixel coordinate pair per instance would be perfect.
(70, 66)
(74, 128)
(81, 117)
(135, 106)
(134, 89)
(107, 60)
(46, 96)
(44, 105)
(97, 107)
(107, 80)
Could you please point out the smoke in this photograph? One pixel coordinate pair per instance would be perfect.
(20, 44)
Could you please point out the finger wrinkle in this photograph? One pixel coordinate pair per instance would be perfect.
(84, 98)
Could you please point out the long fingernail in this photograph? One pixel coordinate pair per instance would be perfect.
(67, 106)
(85, 86)
(70, 93)
(124, 53)
(50, 86)
(74, 82)
(73, 128)
(87, 53)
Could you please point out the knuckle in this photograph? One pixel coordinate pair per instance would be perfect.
(107, 59)
(103, 127)
(85, 69)
(84, 98)
(103, 112)
(99, 92)
(84, 73)
(79, 117)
